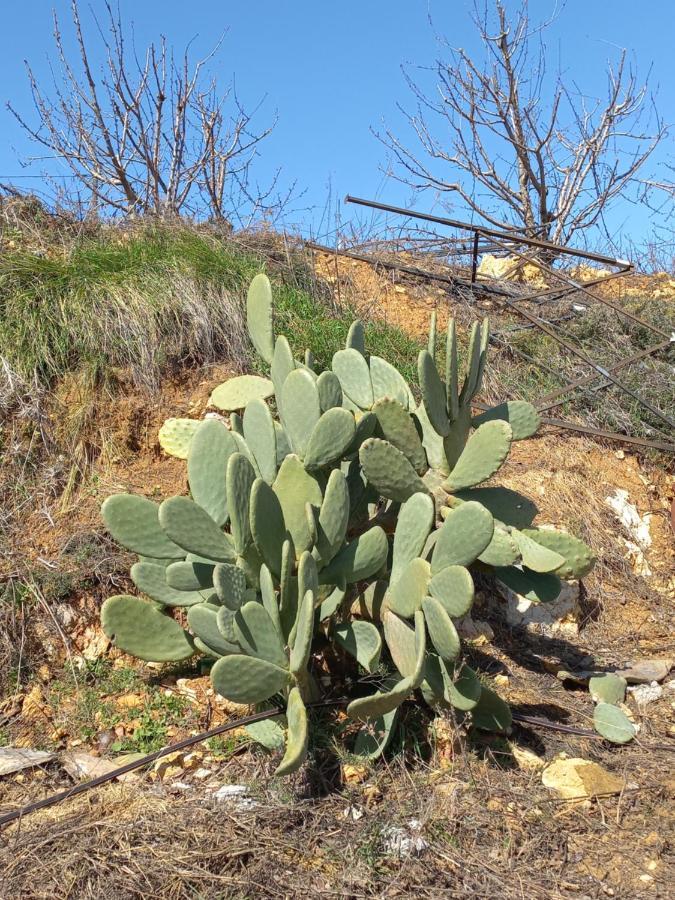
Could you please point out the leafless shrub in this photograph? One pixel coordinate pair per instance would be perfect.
(148, 133)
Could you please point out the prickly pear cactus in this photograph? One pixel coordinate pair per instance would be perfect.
(347, 527)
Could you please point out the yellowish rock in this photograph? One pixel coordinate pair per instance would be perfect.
(579, 779)
(525, 759)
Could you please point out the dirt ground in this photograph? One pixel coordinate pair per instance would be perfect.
(474, 818)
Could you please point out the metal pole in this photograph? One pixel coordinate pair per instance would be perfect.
(474, 261)
(490, 232)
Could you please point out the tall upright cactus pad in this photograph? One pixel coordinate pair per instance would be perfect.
(259, 316)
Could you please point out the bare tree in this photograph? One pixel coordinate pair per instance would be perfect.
(548, 166)
(149, 134)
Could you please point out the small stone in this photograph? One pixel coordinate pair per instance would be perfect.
(647, 670)
(644, 694)
(577, 779)
(404, 842)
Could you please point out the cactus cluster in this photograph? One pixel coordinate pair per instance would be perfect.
(350, 523)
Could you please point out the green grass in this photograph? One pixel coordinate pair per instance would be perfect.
(148, 299)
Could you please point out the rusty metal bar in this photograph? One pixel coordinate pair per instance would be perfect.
(544, 403)
(490, 232)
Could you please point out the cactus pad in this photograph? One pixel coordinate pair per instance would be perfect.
(535, 556)
(259, 318)
(295, 487)
(257, 635)
(134, 523)
(534, 586)
(139, 628)
(211, 447)
(410, 588)
(613, 724)
(578, 556)
(491, 713)
(397, 427)
(464, 535)
(362, 641)
(442, 632)
(191, 527)
(361, 558)
(151, 580)
(261, 438)
(433, 393)
(297, 736)
(331, 436)
(300, 407)
(352, 370)
(484, 453)
(389, 471)
(454, 590)
(175, 436)
(415, 521)
(521, 416)
(237, 392)
(246, 679)
(330, 391)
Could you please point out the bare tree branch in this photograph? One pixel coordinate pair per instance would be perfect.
(488, 136)
(147, 134)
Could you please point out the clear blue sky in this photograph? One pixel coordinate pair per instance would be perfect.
(332, 70)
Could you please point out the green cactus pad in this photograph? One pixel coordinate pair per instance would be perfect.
(236, 424)
(237, 392)
(380, 704)
(608, 688)
(297, 735)
(491, 713)
(230, 584)
(330, 391)
(332, 435)
(151, 580)
(397, 427)
(134, 523)
(175, 436)
(613, 724)
(451, 371)
(521, 416)
(410, 588)
(534, 586)
(442, 632)
(257, 635)
(300, 409)
(259, 316)
(502, 549)
(269, 733)
(247, 679)
(356, 337)
(261, 438)
(240, 478)
(139, 628)
(304, 629)
(333, 517)
(225, 623)
(484, 453)
(211, 448)
(370, 602)
(374, 737)
(352, 370)
(295, 487)
(203, 621)
(308, 579)
(433, 393)
(270, 602)
(415, 521)
(191, 527)
(387, 381)
(189, 575)
(389, 471)
(454, 590)
(431, 343)
(361, 640)
(282, 366)
(465, 690)
(471, 380)
(400, 638)
(464, 535)
(509, 507)
(361, 558)
(267, 524)
(433, 443)
(455, 442)
(535, 556)
(578, 556)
